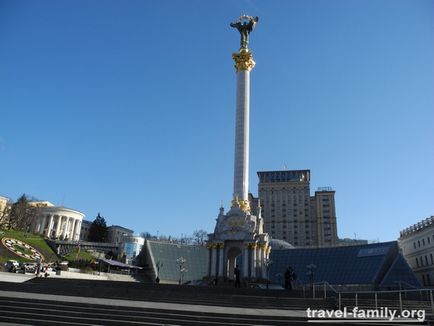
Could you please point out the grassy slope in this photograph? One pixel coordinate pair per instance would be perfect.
(82, 255)
(35, 241)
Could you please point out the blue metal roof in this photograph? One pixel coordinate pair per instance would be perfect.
(362, 264)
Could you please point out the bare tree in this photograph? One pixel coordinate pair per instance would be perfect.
(146, 235)
(200, 237)
(5, 216)
(22, 214)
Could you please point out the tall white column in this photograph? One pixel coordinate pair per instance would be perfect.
(78, 230)
(69, 228)
(59, 224)
(65, 227)
(246, 261)
(50, 226)
(74, 227)
(42, 225)
(241, 162)
(243, 64)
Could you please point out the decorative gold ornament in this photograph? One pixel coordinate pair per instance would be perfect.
(244, 205)
(243, 60)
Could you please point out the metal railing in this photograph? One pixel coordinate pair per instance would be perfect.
(412, 298)
(400, 299)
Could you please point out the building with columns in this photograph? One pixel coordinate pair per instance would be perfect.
(57, 222)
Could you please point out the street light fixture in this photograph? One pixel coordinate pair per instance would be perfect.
(311, 268)
(181, 261)
(159, 266)
(268, 262)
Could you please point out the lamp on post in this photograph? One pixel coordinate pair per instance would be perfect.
(268, 262)
(159, 265)
(181, 261)
(311, 268)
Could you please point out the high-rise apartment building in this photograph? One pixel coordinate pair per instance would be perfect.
(290, 213)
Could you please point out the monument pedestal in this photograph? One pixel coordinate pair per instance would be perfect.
(238, 240)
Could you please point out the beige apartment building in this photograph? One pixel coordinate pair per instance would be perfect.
(290, 213)
(417, 245)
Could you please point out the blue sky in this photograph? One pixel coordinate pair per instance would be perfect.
(127, 107)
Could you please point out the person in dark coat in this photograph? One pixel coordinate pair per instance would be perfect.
(289, 277)
(237, 277)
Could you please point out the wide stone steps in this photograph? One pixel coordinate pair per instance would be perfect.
(214, 296)
(38, 312)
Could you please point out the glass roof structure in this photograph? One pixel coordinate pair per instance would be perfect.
(196, 260)
(351, 265)
(378, 265)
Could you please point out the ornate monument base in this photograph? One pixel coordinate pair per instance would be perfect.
(238, 240)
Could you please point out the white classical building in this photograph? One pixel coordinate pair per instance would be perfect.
(57, 221)
(417, 245)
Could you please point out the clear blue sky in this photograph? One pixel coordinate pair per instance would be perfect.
(127, 107)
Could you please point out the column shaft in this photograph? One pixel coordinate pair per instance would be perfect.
(213, 261)
(210, 258)
(221, 260)
(246, 262)
(79, 230)
(50, 226)
(42, 225)
(74, 229)
(241, 162)
(253, 262)
(59, 222)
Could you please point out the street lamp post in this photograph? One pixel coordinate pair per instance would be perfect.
(159, 265)
(311, 268)
(181, 261)
(268, 262)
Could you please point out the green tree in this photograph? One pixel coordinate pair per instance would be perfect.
(98, 230)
